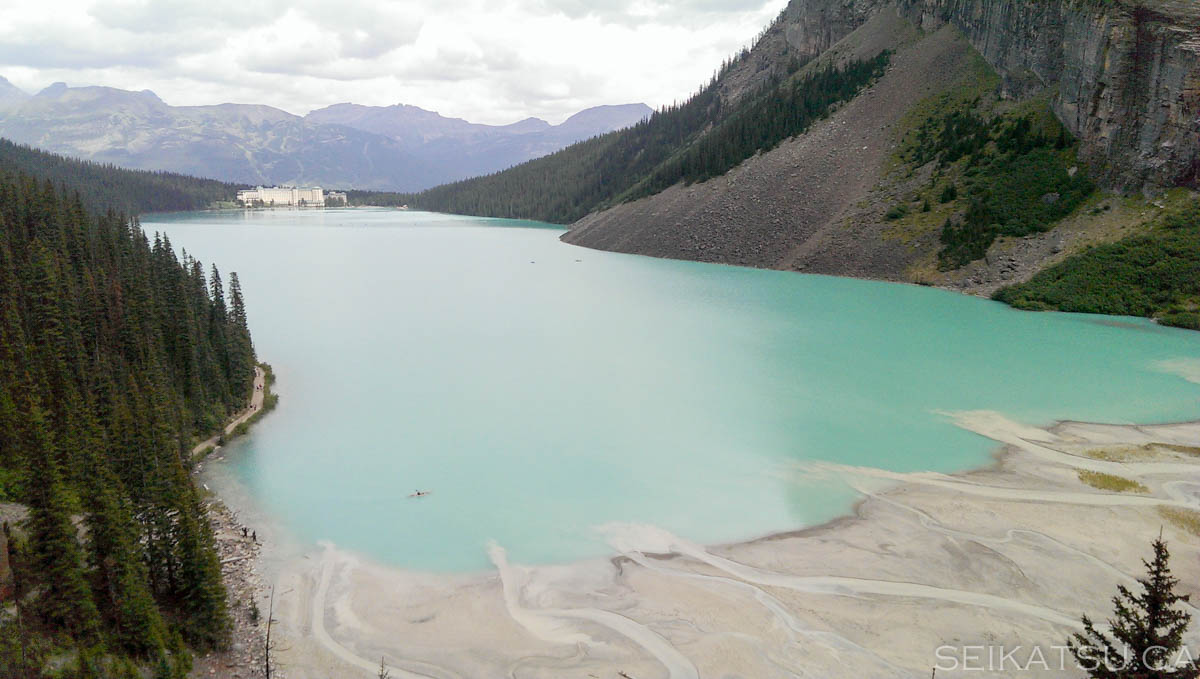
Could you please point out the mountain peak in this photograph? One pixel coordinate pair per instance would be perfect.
(54, 90)
(601, 119)
(10, 94)
(529, 124)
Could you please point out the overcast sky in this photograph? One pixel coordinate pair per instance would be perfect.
(484, 60)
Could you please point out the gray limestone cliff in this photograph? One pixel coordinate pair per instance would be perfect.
(1125, 75)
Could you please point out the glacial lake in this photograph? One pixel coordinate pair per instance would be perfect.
(540, 390)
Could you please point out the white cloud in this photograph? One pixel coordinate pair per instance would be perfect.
(492, 61)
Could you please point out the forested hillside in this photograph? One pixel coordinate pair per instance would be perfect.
(1154, 274)
(107, 187)
(566, 185)
(699, 139)
(114, 355)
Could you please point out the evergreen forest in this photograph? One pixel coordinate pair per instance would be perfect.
(106, 187)
(115, 356)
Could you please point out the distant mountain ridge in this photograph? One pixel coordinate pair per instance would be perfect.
(435, 140)
(398, 148)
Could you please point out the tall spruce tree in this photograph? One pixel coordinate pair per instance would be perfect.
(64, 600)
(1147, 630)
(118, 567)
(241, 345)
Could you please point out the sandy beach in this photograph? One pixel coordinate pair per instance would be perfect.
(927, 568)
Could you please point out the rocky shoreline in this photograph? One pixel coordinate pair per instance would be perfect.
(246, 594)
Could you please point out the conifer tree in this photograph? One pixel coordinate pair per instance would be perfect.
(200, 586)
(118, 567)
(64, 600)
(1147, 630)
(242, 347)
(236, 304)
(98, 188)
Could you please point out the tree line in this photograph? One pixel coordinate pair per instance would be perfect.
(564, 186)
(782, 111)
(115, 355)
(103, 187)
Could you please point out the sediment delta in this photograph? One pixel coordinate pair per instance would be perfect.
(928, 565)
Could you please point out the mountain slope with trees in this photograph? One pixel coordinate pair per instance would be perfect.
(115, 354)
(699, 139)
(106, 187)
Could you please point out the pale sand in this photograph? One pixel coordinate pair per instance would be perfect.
(1010, 555)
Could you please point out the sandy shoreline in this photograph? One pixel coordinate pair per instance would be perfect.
(1009, 555)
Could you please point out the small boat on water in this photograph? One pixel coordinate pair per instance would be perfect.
(420, 493)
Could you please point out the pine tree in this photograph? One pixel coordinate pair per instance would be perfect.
(241, 347)
(1147, 630)
(118, 567)
(236, 304)
(200, 583)
(64, 600)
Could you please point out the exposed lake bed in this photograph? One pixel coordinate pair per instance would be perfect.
(930, 570)
(564, 405)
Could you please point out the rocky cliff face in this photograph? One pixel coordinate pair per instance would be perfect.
(1125, 75)
(804, 30)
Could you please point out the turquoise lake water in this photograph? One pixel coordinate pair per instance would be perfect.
(540, 390)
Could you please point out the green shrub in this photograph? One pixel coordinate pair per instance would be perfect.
(9, 485)
(1152, 274)
(1025, 193)
(1189, 320)
(897, 212)
(1015, 170)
